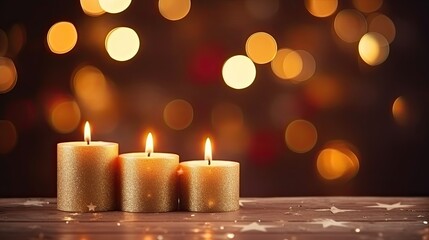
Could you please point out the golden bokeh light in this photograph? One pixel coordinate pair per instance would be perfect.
(301, 136)
(122, 43)
(292, 65)
(321, 8)
(382, 24)
(337, 161)
(308, 66)
(278, 62)
(350, 25)
(373, 48)
(261, 47)
(3, 43)
(400, 111)
(91, 88)
(114, 6)
(91, 7)
(65, 116)
(227, 117)
(174, 9)
(239, 72)
(8, 136)
(262, 9)
(8, 75)
(178, 114)
(62, 37)
(367, 6)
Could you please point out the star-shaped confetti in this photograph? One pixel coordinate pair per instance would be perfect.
(334, 210)
(326, 222)
(33, 203)
(91, 207)
(389, 207)
(254, 226)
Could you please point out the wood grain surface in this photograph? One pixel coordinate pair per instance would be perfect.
(291, 218)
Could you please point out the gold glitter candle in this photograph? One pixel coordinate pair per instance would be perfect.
(209, 185)
(148, 180)
(86, 174)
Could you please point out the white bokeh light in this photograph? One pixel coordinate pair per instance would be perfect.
(239, 72)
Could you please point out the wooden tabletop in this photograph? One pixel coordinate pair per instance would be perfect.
(291, 218)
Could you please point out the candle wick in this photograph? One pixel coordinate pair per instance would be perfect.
(87, 141)
(148, 154)
(210, 161)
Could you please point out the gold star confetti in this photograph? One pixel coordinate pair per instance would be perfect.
(91, 207)
(389, 207)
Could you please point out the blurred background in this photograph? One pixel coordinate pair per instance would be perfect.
(315, 97)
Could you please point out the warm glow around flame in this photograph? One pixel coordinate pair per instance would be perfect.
(87, 133)
(208, 151)
(149, 144)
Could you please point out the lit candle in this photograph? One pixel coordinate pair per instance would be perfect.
(148, 180)
(86, 174)
(209, 185)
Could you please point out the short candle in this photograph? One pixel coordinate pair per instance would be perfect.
(86, 174)
(148, 180)
(209, 185)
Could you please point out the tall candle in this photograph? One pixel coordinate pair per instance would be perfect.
(148, 180)
(209, 185)
(86, 173)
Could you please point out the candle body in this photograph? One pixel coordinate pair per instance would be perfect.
(148, 184)
(86, 176)
(209, 188)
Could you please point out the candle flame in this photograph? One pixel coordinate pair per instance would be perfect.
(208, 151)
(87, 133)
(149, 144)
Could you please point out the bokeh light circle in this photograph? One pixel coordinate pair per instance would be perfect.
(62, 37)
(8, 136)
(65, 116)
(239, 72)
(382, 24)
(278, 62)
(8, 75)
(308, 66)
(292, 65)
(337, 161)
(91, 88)
(301, 136)
(261, 47)
(367, 6)
(373, 48)
(321, 8)
(174, 9)
(122, 43)
(114, 6)
(91, 7)
(350, 25)
(178, 114)
(400, 111)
